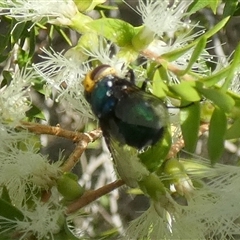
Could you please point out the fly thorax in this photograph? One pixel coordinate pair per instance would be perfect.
(102, 100)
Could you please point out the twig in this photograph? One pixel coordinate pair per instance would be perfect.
(83, 139)
(79, 149)
(58, 131)
(175, 148)
(180, 143)
(171, 67)
(91, 196)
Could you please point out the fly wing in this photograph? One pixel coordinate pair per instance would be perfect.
(142, 109)
(127, 163)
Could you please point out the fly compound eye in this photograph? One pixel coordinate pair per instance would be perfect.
(102, 71)
(96, 75)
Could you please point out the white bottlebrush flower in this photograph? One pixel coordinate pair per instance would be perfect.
(159, 47)
(162, 16)
(14, 98)
(148, 226)
(9, 136)
(168, 226)
(64, 73)
(215, 206)
(102, 51)
(42, 220)
(54, 11)
(25, 172)
(165, 19)
(211, 212)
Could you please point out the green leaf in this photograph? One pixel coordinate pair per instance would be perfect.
(219, 26)
(217, 130)
(87, 5)
(196, 53)
(142, 38)
(18, 31)
(23, 58)
(5, 196)
(155, 155)
(190, 121)
(35, 112)
(171, 56)
(9, 211)
(7, 78)
(218, 97)
(127, 53)
(38, 85)
(83, 5)
(213, 4)
(117, 31)
(230, 8)
(215, 78)
(175, 54)
(234, 65)
(5, 35)
(197, 5)
(32, 42)
(102, 7)
(237, 9)
(186, 91)
(234, 131)
(109, 234)
(3, 57)
(4, 39)
(159, 88)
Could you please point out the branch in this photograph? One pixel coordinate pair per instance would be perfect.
(58, 131)
(180, 143)
(91, 196)
(171, 67)
(79, 149)
(83, 139)
(50, 130)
